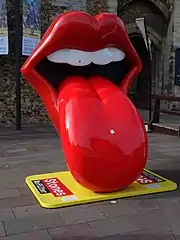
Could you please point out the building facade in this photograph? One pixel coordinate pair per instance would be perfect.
(162, 19)
(163, 24)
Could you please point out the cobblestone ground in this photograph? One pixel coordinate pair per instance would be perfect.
(38, 151)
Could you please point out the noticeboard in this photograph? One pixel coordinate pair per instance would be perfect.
(177, 66)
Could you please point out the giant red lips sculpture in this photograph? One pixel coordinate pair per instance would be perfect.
(82, 70)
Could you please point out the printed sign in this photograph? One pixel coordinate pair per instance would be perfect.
(148, 178)
(4, 46)
(40, 186)
(52, 185)
(141, 24)
(31, 25)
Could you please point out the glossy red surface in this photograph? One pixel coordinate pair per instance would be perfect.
(102, 134)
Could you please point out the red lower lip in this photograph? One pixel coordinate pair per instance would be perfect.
(102, 134)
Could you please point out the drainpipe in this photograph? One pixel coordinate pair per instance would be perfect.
(17, 62)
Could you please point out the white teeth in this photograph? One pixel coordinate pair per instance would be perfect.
(82, 58)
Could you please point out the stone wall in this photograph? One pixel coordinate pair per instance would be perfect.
(164, 81)
(176, 36)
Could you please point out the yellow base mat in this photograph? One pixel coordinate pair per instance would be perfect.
(59, 189)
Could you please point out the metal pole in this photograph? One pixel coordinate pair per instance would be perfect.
(18, 62)
(149, 76)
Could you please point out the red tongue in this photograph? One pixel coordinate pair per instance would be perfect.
(102, 135)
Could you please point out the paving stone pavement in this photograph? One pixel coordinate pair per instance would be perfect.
(38, 151)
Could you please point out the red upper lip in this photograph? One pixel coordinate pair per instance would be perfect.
(79, 30)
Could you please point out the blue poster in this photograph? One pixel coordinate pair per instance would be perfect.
(31, 25)
(4, 46)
